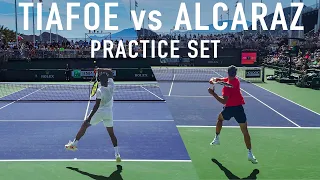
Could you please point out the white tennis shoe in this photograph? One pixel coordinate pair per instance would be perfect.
(215, 141)
(71, 146)
(252, 158)
(118, 158)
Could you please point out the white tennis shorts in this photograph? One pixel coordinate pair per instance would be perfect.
(103, 116)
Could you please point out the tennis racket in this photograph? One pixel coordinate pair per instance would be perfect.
(95, 86)
(223, 84)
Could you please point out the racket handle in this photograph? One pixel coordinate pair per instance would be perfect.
(212, 81)
(97, 73)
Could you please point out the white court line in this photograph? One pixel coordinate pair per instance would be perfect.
(128, 91)
(66, 120)
(252, 127)
(89, 160)
(198, 96)
(287, 99)
(151, 93)
(22, 98)
(267, 105)
(86, 114)
(273, 109)
(170, 90)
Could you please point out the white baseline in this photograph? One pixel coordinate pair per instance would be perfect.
(91, 160)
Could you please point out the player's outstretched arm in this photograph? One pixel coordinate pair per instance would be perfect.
(213, 79)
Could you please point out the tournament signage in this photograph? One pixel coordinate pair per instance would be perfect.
(175, 61)
(77, 74)
(248, 58)
(169, 60)
(253, 73)
(141, 74)
(214, 61)
(53, 70)
(45, 75)
(87, 73)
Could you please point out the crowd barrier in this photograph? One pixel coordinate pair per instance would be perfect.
(80, 70)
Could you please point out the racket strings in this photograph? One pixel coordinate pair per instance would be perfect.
(94, 89)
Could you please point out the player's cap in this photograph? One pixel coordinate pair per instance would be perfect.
(232, 71)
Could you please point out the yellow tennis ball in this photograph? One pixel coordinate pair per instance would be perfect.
(94, 61)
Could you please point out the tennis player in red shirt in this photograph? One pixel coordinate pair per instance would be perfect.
(233, 108)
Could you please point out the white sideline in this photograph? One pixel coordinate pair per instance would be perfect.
(252, 127)
(152, 93)
(21, 98)
(174, 76)
(90, 160)
(75, 120)
(287, 99)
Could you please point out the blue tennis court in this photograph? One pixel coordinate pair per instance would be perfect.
(39, 129)
(192, 105)
(282, 131)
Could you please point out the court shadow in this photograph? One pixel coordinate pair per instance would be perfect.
(231, 176)
(116, 175)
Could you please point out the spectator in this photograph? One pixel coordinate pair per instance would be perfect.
(67, 72)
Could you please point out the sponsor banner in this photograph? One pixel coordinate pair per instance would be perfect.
(86, 74)
(214, 61)
(253, 73)
(76, 73)
(44, 75)
(169, 60)
(175, 60)
(248, 58)
(141, 74)
(49, 70)
(185, 60)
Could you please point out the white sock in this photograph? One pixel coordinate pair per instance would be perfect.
(75, 142)
(217, 136)
(116, 150)
(250, 152)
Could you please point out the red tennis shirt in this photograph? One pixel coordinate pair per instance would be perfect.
(234, 94)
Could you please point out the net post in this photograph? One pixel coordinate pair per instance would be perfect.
(263, 73)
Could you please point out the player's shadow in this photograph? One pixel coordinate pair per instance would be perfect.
(116, 175)
(231, 176)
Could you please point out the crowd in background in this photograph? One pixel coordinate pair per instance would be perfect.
(308, 55)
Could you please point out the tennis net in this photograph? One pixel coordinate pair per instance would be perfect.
(76, 92)
(199, 74)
